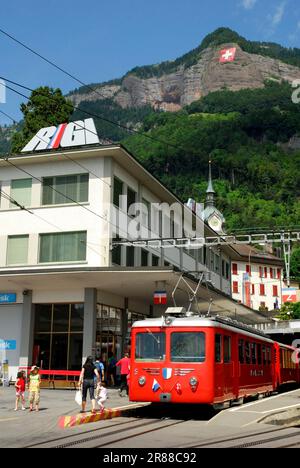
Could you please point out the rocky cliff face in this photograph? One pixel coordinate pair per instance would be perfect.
(173, 91)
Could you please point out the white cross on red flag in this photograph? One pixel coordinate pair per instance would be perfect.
(227, 55)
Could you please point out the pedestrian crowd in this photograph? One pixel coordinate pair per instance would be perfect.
(91, 381)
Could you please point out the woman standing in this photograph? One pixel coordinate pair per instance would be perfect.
(86, 380)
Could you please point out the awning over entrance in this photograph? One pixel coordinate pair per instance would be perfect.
(133, 283)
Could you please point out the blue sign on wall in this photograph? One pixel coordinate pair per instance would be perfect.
(8, 298)
(8, 345)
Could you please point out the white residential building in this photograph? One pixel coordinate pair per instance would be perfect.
(256, 278)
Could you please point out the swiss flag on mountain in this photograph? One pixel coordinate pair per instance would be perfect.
(227, 55)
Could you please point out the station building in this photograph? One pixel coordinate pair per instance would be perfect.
(67, 290)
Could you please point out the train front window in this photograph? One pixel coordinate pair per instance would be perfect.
(150, 346)
(188, 347)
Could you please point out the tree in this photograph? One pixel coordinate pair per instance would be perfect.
(46, 107)
(295, 264)
(289, 311)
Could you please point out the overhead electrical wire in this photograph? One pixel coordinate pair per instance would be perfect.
(53, 64)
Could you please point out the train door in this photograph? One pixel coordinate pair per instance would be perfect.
(228, 366)
(224, 369)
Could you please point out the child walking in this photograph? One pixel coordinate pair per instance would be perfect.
(34, 388)
(20, 390)
(101, 395)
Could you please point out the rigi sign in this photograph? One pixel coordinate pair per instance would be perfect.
(79, 133)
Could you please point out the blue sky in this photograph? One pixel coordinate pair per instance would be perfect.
(98, 40)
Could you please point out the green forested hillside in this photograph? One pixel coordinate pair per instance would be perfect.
(129, 118)
(257, 177)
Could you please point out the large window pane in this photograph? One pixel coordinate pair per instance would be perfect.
(188, 347)
(150, 347)
(61, 316)
(77, 317)
(21, 191)
(41, 351)
(63, 247)
(65, 189)
(43, 317)
(75, 353)
(59, 358)
(17, 250)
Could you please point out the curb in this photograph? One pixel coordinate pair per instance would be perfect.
(65, 422)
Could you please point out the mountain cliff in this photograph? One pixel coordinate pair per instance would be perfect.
(172, 85)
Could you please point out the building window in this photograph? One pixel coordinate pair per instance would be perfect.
(58, 336)
(130, 256)
(266, 272)
(21, 191)
(155, 260)
(146, 211)
(253, 289)
(17, 250)
(109, 333)
(131, 199)
(260, 272)
(248, 269)
(235, 287)
(262, 291)
(278, 273)
(271, 272)
(65, 189)
(275, 291)
(227, 270)
(63, 247)
(145, 258)
(118, 192)
(116, 253)
(217, 263)
(234, 269)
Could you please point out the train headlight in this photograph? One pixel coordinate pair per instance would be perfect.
(193, 381)
(142, 381)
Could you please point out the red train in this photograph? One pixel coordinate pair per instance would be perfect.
(181, 359)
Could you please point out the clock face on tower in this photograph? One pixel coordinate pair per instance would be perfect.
(215, 223)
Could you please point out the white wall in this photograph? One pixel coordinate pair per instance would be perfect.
(11, 329)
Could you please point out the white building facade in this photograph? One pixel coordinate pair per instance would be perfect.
(257, 279)
(66, 290)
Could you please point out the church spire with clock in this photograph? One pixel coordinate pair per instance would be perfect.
(211, 215)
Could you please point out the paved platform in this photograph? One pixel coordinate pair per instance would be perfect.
(21, 428)
(281, 406)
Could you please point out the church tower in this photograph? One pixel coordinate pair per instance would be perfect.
(211, 215)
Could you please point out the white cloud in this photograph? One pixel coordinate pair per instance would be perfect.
(278, 15)
(248, 4)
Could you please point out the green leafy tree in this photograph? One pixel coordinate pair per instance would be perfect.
(46, 107)
(295, 264)
(289, 311)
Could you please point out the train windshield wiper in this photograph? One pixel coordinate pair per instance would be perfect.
(153, 336)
